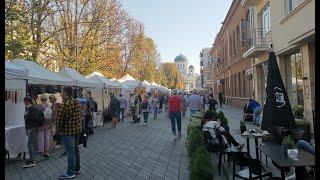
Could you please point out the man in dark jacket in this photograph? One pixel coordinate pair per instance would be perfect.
(114, 108)
(212, 103)
(31, 118)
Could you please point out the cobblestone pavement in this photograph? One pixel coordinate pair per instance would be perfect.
(131, 151)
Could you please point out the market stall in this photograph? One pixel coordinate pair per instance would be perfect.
(129, 82)
(15, 91)
(101, 95)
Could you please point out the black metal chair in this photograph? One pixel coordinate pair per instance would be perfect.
(214, 147)
(254, 171)
(239, 159)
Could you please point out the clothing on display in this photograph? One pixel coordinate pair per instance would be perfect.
(14, 95)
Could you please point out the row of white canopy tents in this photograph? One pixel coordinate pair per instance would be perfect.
(129, 83)
(96, 83)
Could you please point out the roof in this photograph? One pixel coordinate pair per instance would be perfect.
(98, 77)
(13, 71)
(79, 79)
(41, 75)
(191, 66)
(180, 57)
(128, 81)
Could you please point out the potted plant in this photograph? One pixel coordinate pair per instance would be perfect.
(304, 125)
(298, 111)
(242, 126)
(288, 143)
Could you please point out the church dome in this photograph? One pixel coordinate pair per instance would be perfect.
(180, 58)
(191, 67)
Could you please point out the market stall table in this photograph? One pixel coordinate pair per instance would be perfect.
(15, 140)
(276, 154)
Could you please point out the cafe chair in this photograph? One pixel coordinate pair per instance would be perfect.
(240, 159)
(213, 147)
(254, 171)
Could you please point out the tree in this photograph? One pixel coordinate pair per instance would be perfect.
(175, 80)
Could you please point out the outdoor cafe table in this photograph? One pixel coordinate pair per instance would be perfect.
(276, 153)
(256, 136)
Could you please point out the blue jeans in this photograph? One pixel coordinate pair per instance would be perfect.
(256, 115)
(155, 112)
(122, 113)
(72, 150)
(175, 116)
(305, 145)
(32, 138)
(145, 116)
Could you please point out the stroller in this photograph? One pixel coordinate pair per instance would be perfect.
(248, 115)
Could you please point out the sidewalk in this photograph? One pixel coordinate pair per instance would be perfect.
(131, 151)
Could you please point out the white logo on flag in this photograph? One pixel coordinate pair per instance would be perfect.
(279, 97)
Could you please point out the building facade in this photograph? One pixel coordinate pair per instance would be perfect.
(232, 73)
(289, 26)
(206, 69)
(187, 72)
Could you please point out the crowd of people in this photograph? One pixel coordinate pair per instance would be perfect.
(69, 123)
(50, 124)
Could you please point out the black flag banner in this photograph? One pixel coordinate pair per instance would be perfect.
(277, 110)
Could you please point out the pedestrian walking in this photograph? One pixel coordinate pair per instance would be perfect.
(145, 108)
(175, 113)
(123, 106)
(165, 101)
(183, 104)
(195, 103)
(221, 99)
(155, 105)
(55, 108)
(114, 108)
(212, 103)
(32, 123)
(44, 136)
(92, 107)
(256, 109)
(161, 99)
(69, 126)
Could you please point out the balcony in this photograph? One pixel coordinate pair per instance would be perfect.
(245, 3)
(257, 42)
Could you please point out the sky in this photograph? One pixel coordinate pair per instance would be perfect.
(180, 26)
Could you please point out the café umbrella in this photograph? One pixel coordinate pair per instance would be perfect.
(277, 110)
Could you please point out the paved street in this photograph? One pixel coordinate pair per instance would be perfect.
(131, 151)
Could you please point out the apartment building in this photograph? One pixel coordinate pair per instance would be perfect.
(289, 25)
(206, 61)
(232, 73)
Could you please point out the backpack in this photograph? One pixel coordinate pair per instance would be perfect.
(41, 118)
(48, 113)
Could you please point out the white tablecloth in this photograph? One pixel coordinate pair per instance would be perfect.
(16, 139)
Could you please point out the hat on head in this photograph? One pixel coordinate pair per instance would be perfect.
(43, 97)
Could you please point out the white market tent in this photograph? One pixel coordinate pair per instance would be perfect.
(13, 71)
(41, 75)
(98, 77)
(15, 90)
(78, 78)
(146, 85)
(129, 81)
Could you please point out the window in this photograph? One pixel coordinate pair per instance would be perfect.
(265, 19)
(290, 5)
